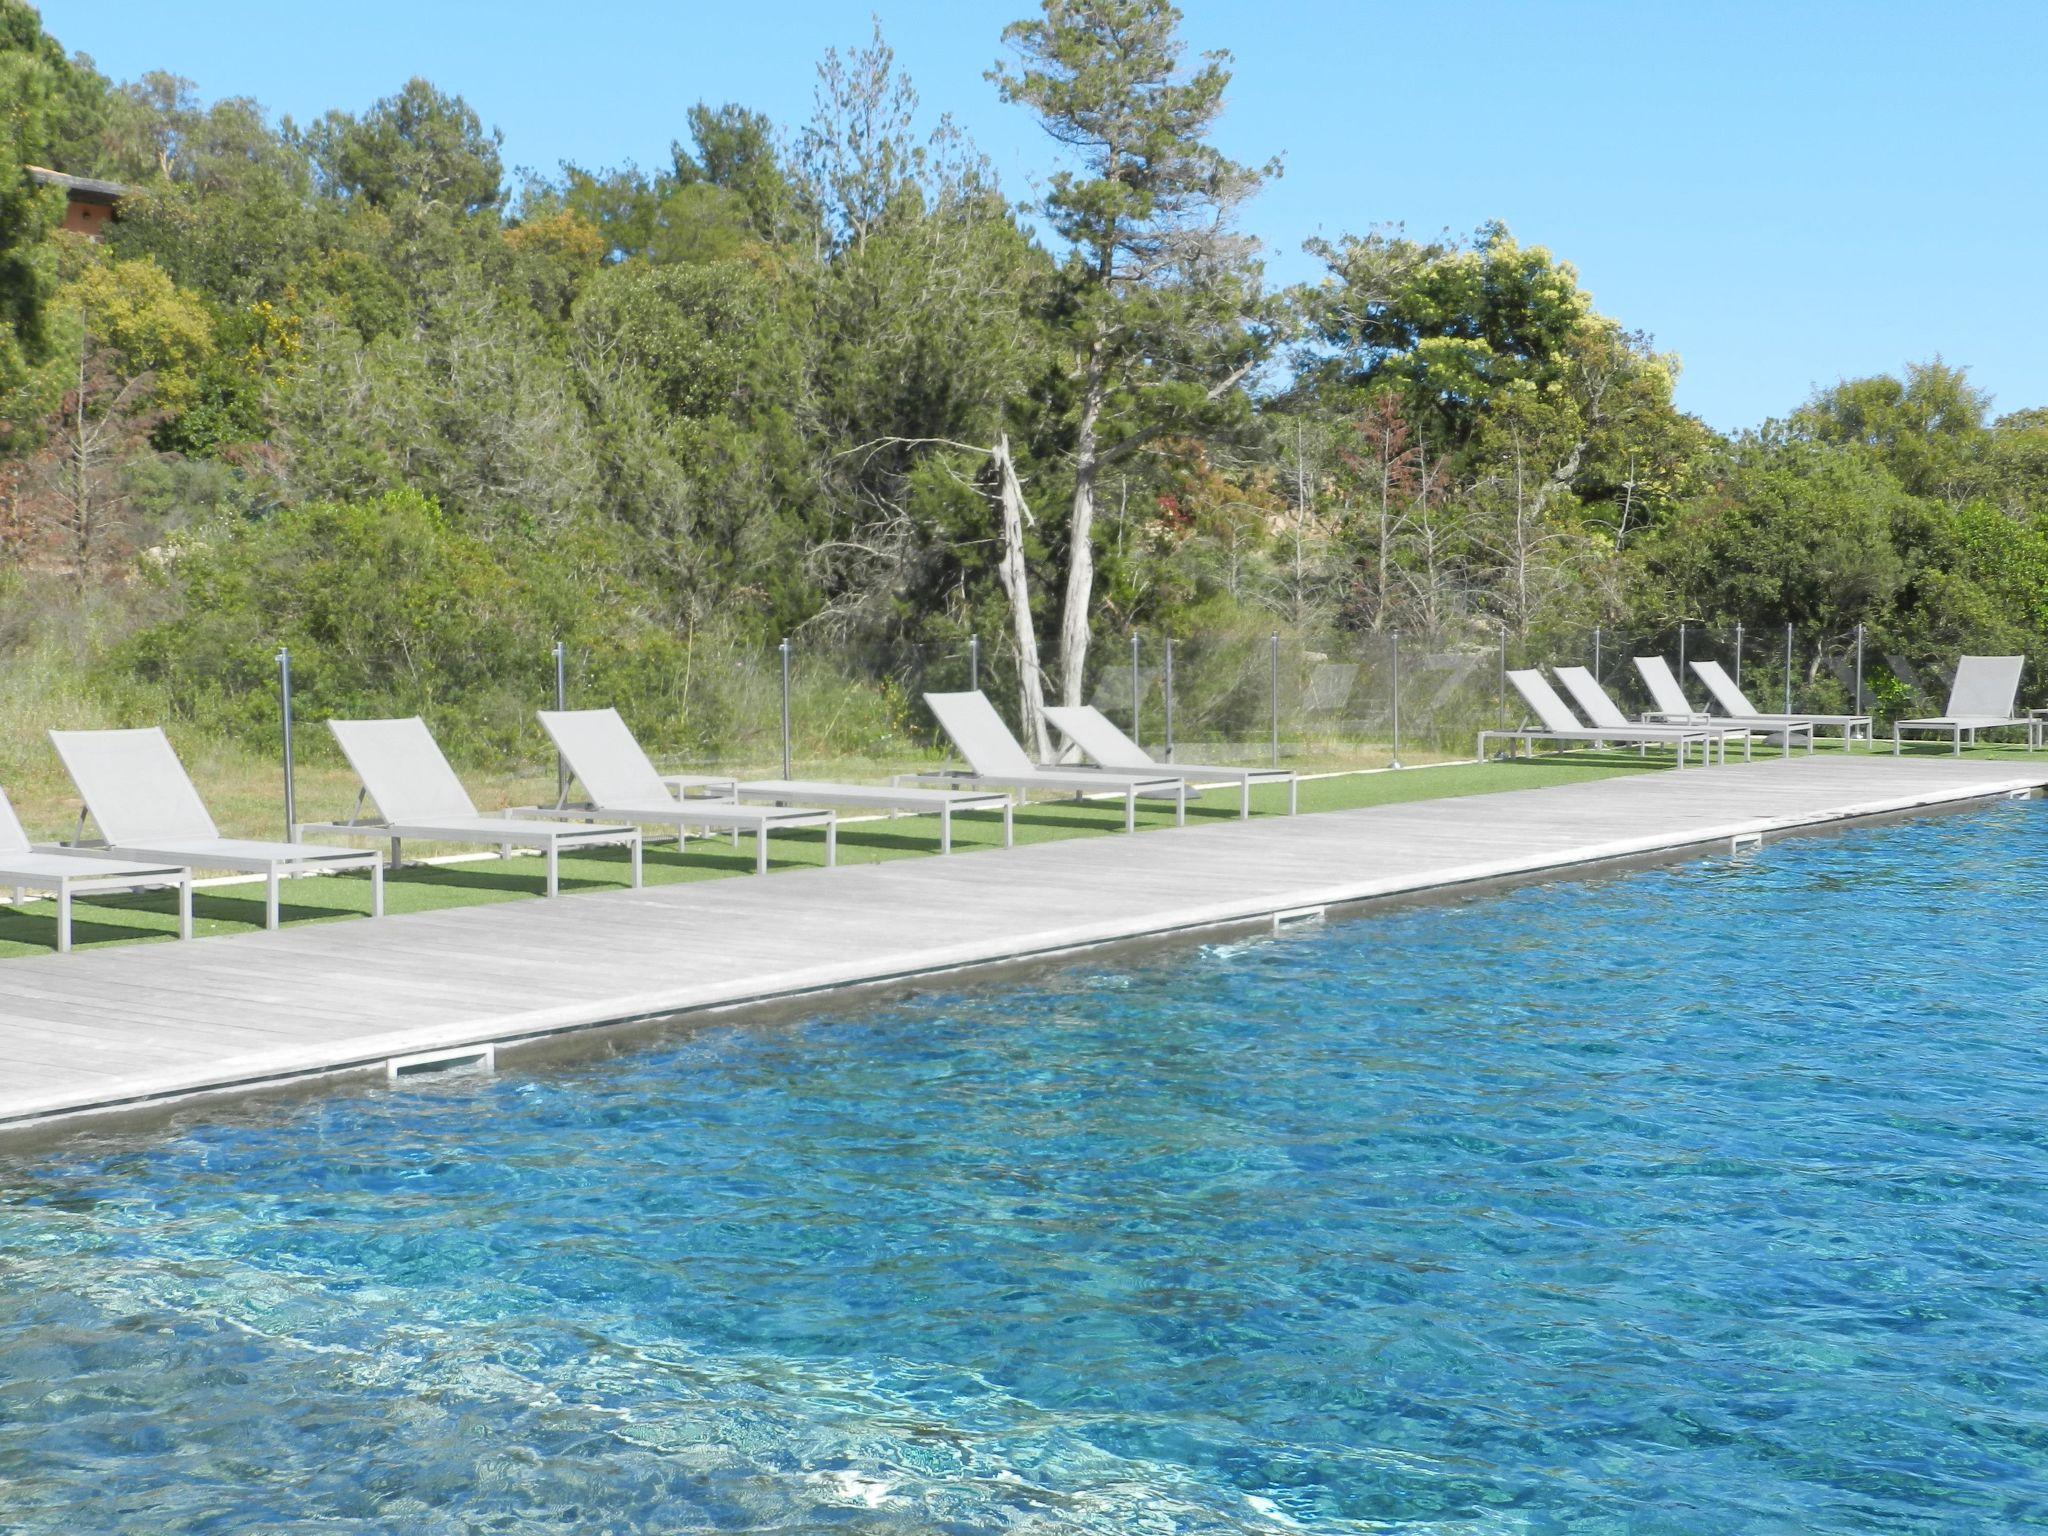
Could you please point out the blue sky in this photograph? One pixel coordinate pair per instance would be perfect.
(1782, 194)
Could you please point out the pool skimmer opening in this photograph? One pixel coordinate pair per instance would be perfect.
(1745, 842)
(468, 1058)
(1299, 917)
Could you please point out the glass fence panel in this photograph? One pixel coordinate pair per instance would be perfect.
(1329, 701)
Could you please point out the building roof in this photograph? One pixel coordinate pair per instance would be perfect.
(83, 188)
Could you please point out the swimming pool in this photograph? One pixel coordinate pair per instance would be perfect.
(1706, 1198)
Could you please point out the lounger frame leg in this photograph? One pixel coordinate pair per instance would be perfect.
(634, 847)
(1130, 810)
(1009, 824)
(554, 868)
(945, 828)
(1294, 797)
(832, 842)
(760, 849)
(376, 889)
(185, 906)
(1244, 804)
(63, 917)
(270, 880)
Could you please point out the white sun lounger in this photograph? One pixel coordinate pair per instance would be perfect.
(417, 795)
(1604, 714)
(996, 761)
(66, 873)
(1557, 723)
(603, 755)
(1098, 736)
(139, 796)
(896, 799)
(1674, 708)
(1736, 707)
(1980, 699)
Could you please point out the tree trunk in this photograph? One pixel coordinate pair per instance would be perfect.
(1030, 682)
(1081, 539)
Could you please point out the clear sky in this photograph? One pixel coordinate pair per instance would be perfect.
(1783, 194)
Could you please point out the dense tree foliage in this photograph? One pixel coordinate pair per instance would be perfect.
(345, 386)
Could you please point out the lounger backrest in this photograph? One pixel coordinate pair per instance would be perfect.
(134, 785)
(1551, 711)
(1662, 682)
(605, 756)
(1591, 698)
(403, 770)
(979, 734)
(1722, 687)
(1986, 687)
(1097, 735)
(12, 838)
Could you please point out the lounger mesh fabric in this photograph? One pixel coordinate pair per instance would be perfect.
(1592, 699)
(978, 731)
(134, 786)
(1663, 684)
(1551, 711)
(1731, 698)
(404, 771)
(1099, 736)
(604, 755)
(13, 839)
(1985, 688)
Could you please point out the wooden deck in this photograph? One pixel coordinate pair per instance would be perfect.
(121, 1027)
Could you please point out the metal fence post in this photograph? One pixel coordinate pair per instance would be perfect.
(1681, 649)
(1738, 653)
(974, 663)
(785, 706)
(284, 706)
(561, 702)
(1169, 698)
(1395, 760)
(1596, 650)
(1859, 669)
(1788, 669)
(1276, 698)
(1136, 687)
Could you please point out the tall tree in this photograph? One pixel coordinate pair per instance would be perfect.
(1158, 296)
(28, 212)
(418, 146)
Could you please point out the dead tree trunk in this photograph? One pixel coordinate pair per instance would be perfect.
(1030, 680)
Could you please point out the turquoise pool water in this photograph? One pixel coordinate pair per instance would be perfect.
(1707, 1199)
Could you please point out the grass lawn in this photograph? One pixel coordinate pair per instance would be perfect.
(151, 916)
